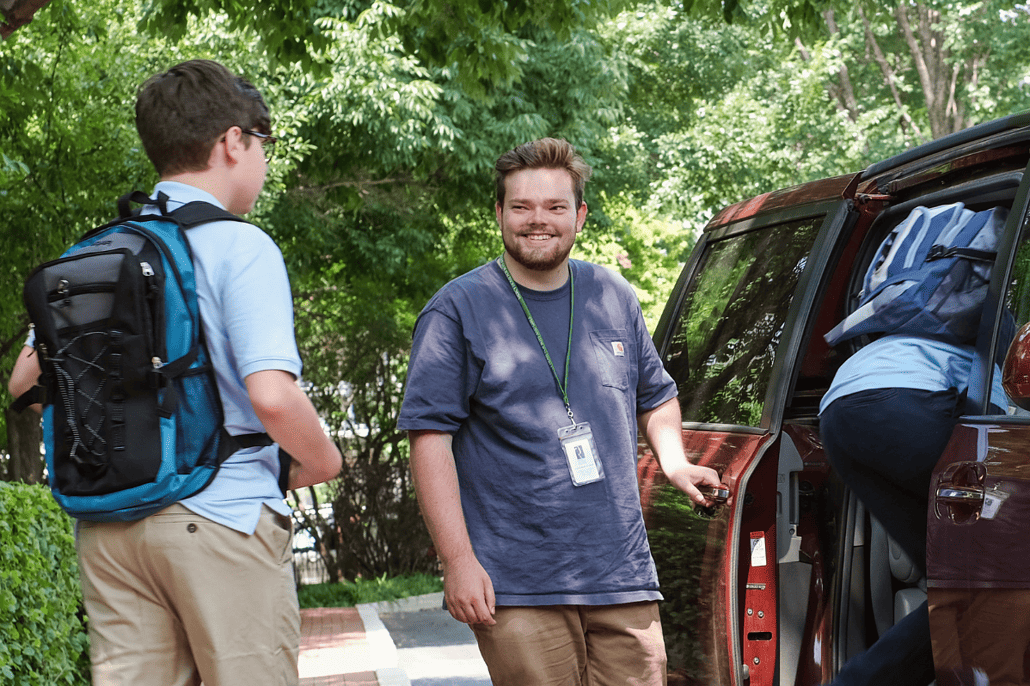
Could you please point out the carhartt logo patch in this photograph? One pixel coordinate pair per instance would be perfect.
(618, 349)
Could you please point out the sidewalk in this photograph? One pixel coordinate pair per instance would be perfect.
(334, 650)
(350, 646)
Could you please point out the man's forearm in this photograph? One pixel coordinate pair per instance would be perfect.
(292, 422)
(468, 589)
(662, 428)
(436, 485)
(25, 375)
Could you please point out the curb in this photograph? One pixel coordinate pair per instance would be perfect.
(378, 637)
(430, 601)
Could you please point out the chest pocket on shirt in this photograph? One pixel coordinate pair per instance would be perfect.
(614, 351)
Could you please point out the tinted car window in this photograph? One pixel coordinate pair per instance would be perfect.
(726, 335)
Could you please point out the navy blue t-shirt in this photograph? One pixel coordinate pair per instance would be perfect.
(477, 372)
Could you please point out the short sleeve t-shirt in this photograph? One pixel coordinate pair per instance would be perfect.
(478, 372)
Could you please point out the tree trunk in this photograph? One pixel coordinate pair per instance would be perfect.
(890, 79)
(942, 84)
(845, 91)
(15, 13)
(24, 437)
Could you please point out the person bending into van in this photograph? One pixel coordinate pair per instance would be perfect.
(203, 590)
(528, 379)
(885, 423)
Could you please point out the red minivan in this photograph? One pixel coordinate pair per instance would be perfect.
(790, 577)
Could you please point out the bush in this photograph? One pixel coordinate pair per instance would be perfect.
(44, 639)
(349, 593)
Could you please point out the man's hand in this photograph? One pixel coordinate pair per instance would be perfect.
(662, 429)
(687, 477)
(25, 375)
(469, 592)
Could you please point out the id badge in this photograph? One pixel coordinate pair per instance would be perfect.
(584, 464)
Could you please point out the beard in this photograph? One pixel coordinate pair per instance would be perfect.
(543, 259)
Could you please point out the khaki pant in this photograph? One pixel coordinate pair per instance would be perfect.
(176, 599)
(575, 645)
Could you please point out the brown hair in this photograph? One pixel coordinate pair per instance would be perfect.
(545, 153)
(181, 113)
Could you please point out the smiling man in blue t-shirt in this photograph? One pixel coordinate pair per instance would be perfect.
(529, 378)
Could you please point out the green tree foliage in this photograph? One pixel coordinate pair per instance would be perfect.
(924, 69)
(719, 113)
(481, 42)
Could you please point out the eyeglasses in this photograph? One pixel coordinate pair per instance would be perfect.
(267, 142)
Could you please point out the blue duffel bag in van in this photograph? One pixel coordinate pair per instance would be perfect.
(929, 276)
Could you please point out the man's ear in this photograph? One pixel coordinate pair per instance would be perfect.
(500, 212)
(227, 150)
(581, 216)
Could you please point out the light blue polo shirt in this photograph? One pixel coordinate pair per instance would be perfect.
(247, 312)
(901, 361)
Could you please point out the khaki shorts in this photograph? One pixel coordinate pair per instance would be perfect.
(575, 645)
(176, 599)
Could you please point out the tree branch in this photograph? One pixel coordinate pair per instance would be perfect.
(889, 77)
(846, 91)
(929, 92)
(313, 190)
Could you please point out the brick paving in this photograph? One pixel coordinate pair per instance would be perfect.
(334, 650)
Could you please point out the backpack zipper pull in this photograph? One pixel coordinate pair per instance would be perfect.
(156, 361)
(147, 269)
(63, 291)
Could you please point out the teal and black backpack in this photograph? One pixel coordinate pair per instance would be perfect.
(132, 418)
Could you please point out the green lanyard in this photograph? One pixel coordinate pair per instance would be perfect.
(568, 353)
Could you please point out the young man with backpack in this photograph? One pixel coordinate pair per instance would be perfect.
(203, 590)
(891, 408)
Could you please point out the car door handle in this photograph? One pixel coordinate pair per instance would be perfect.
(718, 495)
(961, 495)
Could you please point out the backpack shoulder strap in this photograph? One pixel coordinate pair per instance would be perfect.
(262, 439)
(36, 394)
(126, 211)
(140, 198)
(191, 214)
(199, 212)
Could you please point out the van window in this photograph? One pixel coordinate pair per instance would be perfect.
(728, 330)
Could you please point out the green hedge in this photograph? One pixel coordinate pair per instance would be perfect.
(43, 641)
(350, 593)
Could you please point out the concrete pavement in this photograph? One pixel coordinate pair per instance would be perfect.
(409, 642)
